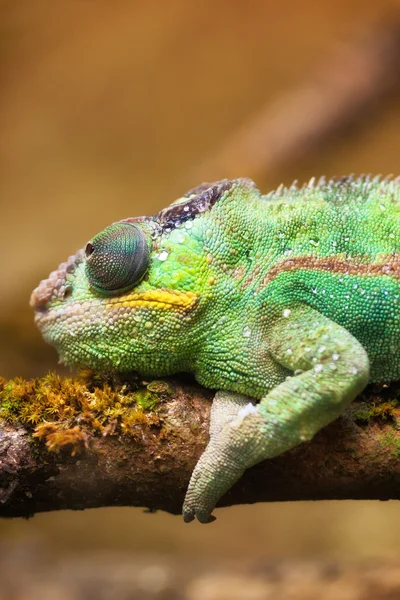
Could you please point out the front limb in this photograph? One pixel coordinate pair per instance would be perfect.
(330, 368)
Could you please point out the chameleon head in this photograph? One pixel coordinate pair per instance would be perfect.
(107, 307)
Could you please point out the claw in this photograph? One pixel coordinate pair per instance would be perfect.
(209, 519)
(189, 514)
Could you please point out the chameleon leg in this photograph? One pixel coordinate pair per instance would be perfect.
(225, 407)
(330, 368)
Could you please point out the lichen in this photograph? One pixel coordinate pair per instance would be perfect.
(65, 412)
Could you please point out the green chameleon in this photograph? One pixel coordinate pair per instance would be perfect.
(287, 304)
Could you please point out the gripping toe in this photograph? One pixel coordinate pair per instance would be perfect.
(203, 516)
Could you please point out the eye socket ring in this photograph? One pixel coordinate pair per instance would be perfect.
(117, 258)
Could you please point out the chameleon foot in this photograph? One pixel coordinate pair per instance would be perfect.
(214, 474)
(216, 470)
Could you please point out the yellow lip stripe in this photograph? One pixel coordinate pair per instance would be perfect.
(164, 299)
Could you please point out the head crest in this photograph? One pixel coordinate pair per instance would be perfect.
(197, 201)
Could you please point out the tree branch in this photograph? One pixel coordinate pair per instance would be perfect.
(71, 444)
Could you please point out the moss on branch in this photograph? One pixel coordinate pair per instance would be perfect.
(64, 412)
(84, 442)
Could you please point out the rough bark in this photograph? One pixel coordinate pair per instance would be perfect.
(355, 457)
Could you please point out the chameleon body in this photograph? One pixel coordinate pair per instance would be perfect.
(287, 304)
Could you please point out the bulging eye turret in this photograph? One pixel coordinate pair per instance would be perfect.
(117, 258)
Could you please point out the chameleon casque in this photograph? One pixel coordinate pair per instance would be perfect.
(287, 304)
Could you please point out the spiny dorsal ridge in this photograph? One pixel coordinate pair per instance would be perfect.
(364, 181)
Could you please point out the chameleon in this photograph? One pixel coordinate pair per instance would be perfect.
(286, 304)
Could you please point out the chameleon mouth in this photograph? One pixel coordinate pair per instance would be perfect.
(97, 309)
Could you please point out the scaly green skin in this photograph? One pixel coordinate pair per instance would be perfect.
(290, 299)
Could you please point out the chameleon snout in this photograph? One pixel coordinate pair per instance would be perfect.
(56, 286)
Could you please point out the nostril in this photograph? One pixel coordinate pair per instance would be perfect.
(67, 292)
(89, 249)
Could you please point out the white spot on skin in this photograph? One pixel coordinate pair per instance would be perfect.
(179, 237)
(163, 255)
(246, 332)
(335, 356)
(286, 313)
(244, 412)
(318, 369)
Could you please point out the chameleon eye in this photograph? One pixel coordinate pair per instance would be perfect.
(116, 258)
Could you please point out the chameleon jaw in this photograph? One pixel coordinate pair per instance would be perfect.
(159, 299)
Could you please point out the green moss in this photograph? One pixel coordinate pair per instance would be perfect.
(146, 400)
(58, 437)
(64, 411)
(390, 441)
(364, 412)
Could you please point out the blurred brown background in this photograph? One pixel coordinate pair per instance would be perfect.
(113, 109)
